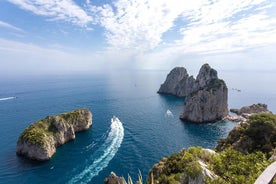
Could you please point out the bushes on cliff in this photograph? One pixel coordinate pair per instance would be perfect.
(232, 166)
(259, 134)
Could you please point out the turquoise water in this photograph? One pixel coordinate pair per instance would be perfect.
(143, 135)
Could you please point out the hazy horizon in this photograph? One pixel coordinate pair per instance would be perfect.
(59, 37)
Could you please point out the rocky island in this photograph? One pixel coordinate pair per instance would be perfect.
(40, 139)
(205, 97)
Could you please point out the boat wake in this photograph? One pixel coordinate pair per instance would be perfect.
(108, 150)
(7, 98)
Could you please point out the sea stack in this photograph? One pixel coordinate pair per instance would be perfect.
(205, 97)
(178, 83)
(40, 139)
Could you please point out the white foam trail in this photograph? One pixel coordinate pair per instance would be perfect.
(7, 98)
(109, 149)
(169, 113)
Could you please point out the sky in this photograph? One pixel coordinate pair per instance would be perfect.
(61, 36)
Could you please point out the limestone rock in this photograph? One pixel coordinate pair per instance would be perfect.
(178, 83)
(206, 105)
(206, 96)
(209, 102)
(252, 109)
(114, 179)
(172, 169)
(205, 76)
(40, 139)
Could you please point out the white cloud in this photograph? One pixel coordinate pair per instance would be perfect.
(201, 26)
(205, 25)
(9, 26)
(138, 24)
(226, 26)
(65, 10)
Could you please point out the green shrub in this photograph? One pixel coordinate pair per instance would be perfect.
(235, 167)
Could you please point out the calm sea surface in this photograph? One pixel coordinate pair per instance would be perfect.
(144, 134)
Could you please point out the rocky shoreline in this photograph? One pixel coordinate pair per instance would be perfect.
(243, 114)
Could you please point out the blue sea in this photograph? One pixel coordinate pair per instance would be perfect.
(147, 130)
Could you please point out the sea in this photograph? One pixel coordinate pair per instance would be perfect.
(147, 129)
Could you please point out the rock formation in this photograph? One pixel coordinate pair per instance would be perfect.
(178, 83)
(208, 104)
(245, 112)
(252, 109)
(114, 179)
(206, 96)
(239, 158)
(40, 139)
(186, 166)
(258, 133)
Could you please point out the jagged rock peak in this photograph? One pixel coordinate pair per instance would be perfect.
(206, 75)
(40, 139)
(177, 82)
(206, 96)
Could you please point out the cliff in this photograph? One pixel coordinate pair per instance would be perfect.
(248, 150)
(256, 134)
(40, 139)
(178, 83)
(208, 104)
(206, 96)
(186, 166)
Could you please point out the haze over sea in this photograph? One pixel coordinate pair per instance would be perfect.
(144, 134)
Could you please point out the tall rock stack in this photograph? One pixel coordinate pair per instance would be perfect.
(178, 83)
(206, 96)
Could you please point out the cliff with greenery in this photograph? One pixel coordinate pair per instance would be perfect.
(239, 158)
(257, 134)
(40, 139)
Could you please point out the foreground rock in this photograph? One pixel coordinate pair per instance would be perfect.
(40, 139)
(239, 158)
(186, 166)
(206, 96)
(114, 179)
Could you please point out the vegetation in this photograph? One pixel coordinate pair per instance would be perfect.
(39, 132)
(74, 117)
(215, 84)
(234, 167)
(170, 170)
(259, 134)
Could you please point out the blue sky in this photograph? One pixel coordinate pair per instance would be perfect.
(53, 36)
